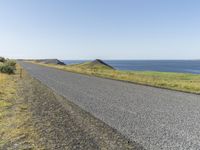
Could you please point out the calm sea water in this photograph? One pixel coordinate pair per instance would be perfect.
(184, 66)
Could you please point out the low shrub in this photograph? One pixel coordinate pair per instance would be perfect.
(5, 68)
(8, 67)
(2, 59)
(11, 63)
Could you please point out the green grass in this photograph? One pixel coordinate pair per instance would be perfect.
(176, 81)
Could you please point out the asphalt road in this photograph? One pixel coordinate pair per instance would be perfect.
(155, 118)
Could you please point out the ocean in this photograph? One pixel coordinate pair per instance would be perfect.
(180, 66)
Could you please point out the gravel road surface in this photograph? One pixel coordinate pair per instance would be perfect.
(155, 118)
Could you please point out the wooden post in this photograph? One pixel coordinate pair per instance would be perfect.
(20, 73)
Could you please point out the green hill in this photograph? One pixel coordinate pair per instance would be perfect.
(94, 65)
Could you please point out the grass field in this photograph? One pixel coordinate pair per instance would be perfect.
(176, 81)
(14, 116)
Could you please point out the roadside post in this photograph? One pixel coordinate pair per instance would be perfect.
(21, 73)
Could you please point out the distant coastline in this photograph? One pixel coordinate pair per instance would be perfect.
(179, 66)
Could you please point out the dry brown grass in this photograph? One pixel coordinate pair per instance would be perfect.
(16, 131)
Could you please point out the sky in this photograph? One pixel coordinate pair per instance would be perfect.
(104, 29)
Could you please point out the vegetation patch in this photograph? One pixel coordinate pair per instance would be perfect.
(177, 81)
(7, 66)
(2, 59)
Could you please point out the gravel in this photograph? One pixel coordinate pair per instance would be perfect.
(155, 118)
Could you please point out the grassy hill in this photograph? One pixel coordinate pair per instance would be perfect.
(94, 65)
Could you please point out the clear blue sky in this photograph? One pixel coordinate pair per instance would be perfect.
(105, 29)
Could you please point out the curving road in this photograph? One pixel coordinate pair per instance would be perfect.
(155, 118)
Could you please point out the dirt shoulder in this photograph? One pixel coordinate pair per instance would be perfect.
(60, 124)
